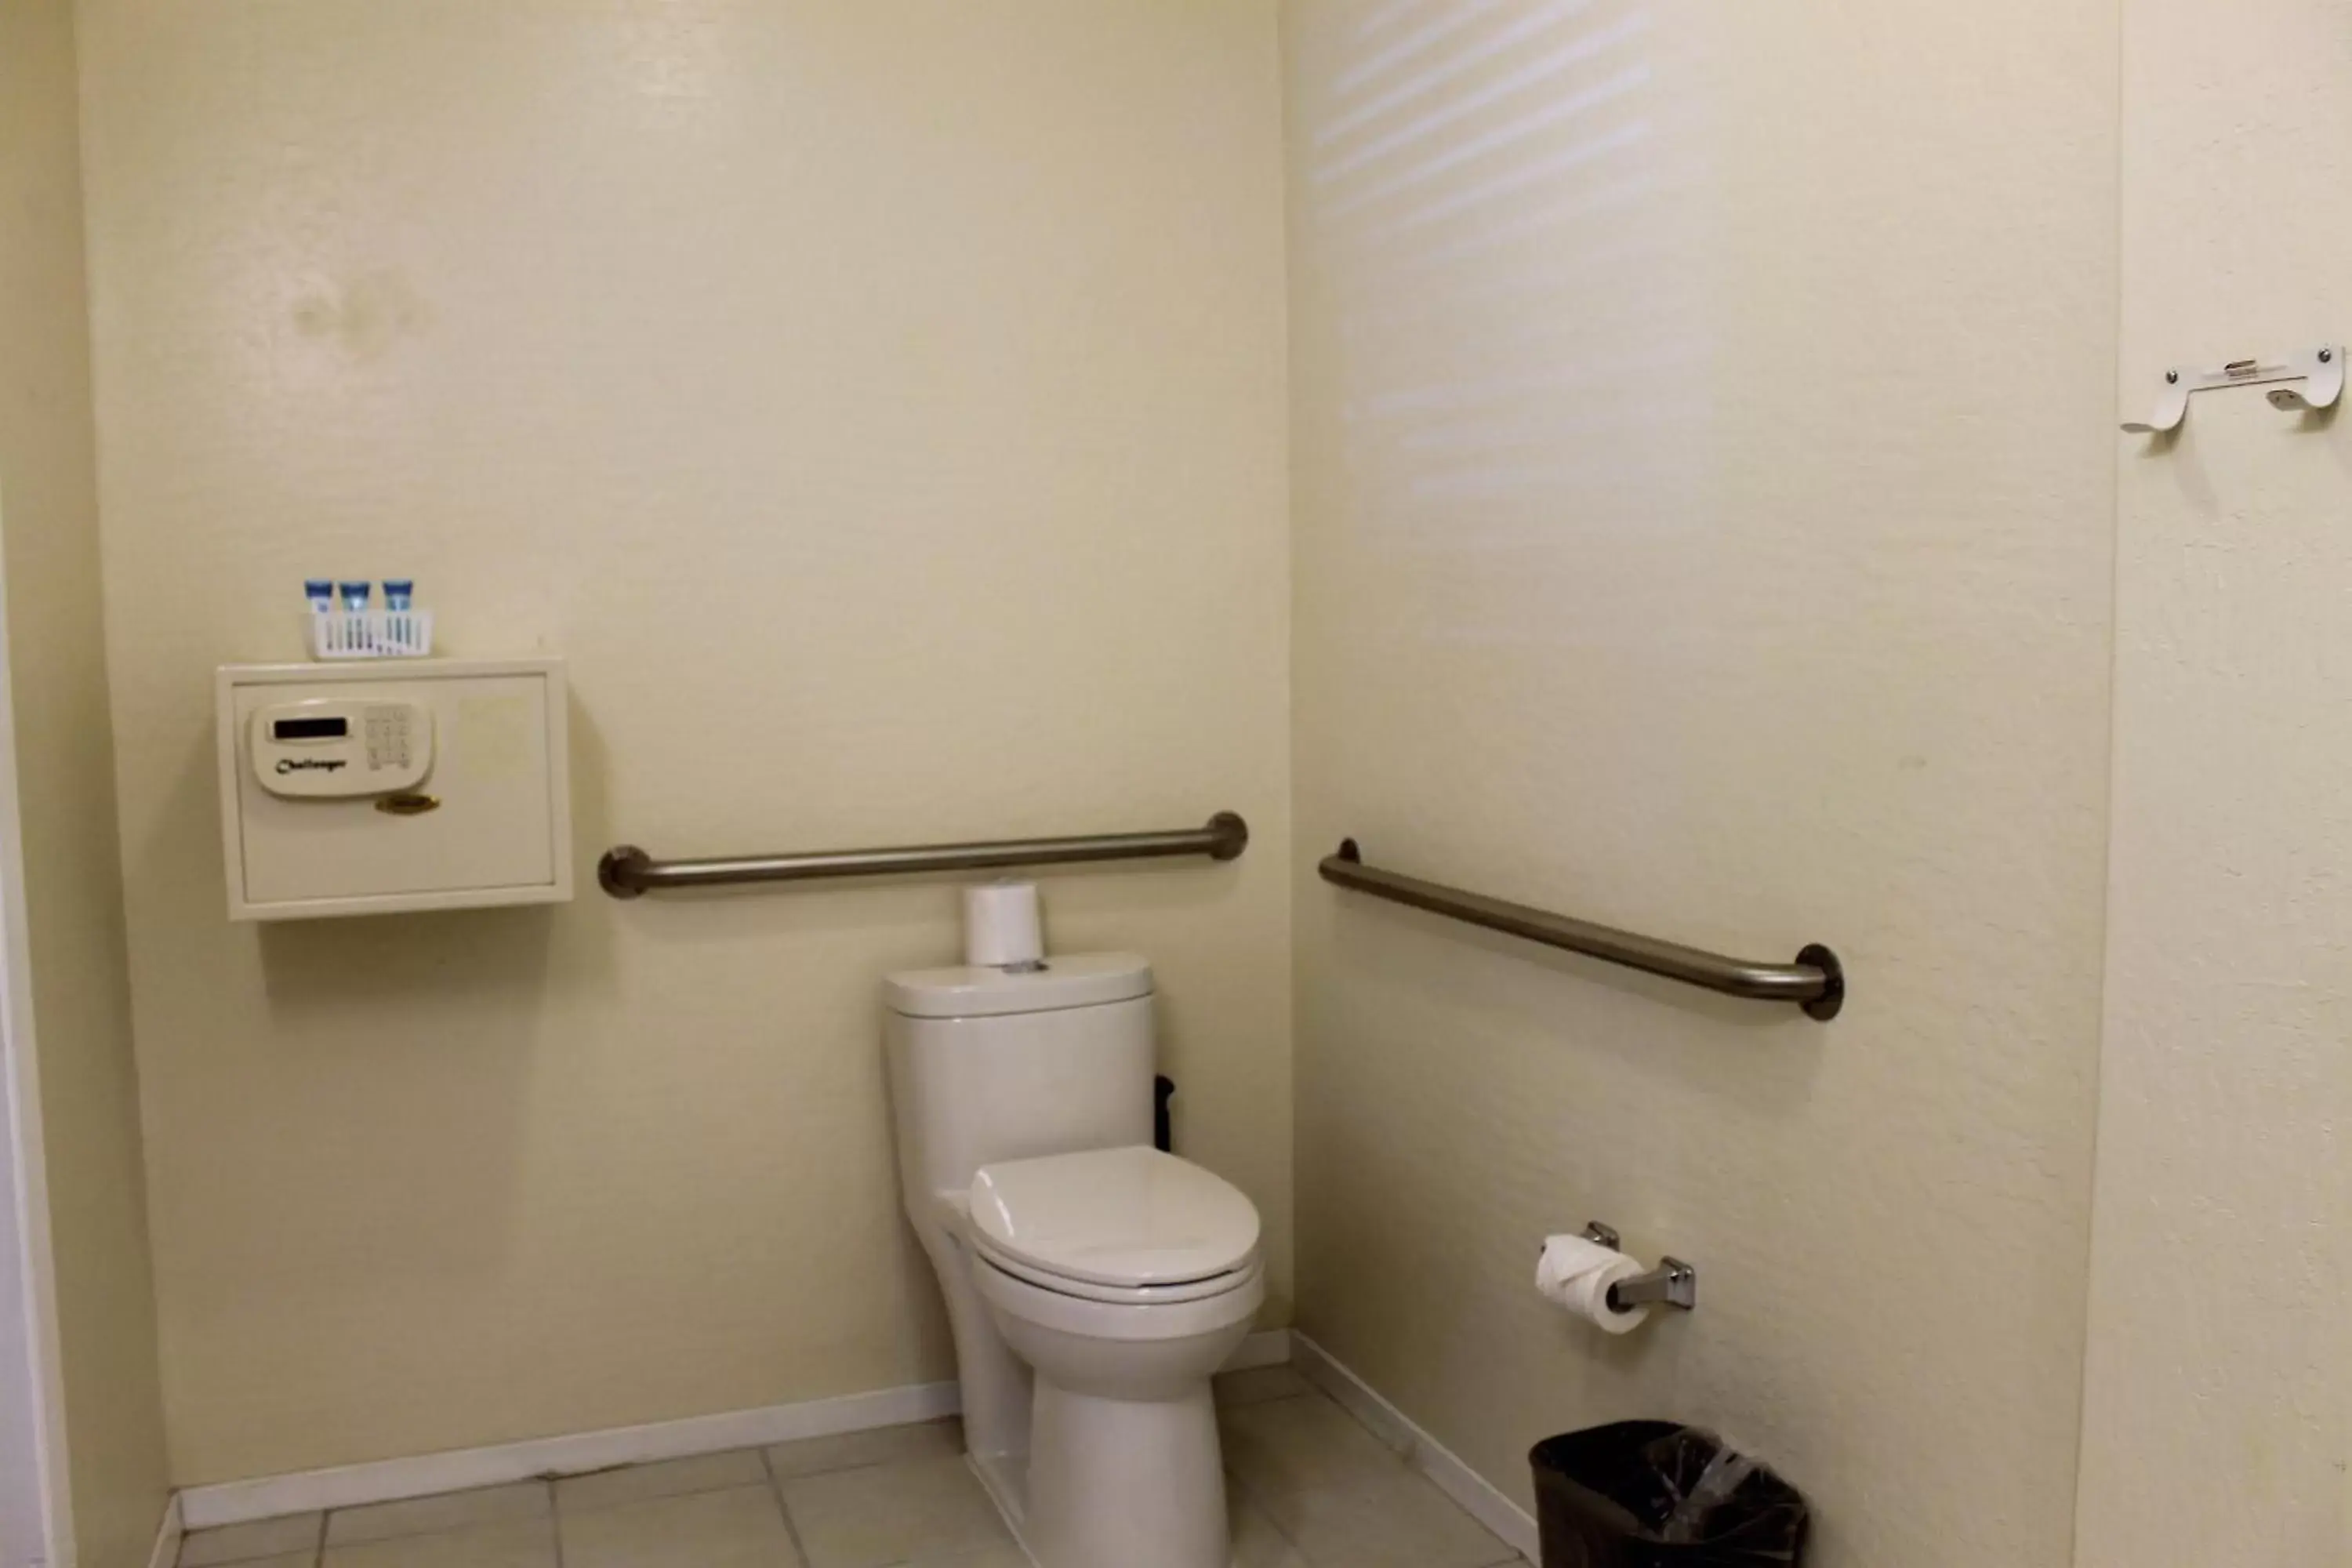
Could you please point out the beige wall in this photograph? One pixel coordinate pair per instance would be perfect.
(1703, 521)
(64, 785)
(1703, 422)
(883, 408)
(2219, 1418)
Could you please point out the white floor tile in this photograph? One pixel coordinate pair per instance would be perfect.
(430, 1515)
(1286, 1446)
(1003, 1554)
(915, 1512)
(293, 1535)
(505, 1543)
(1258, 1385)
(887, 1444)
(1344, 1498)
(1393, 1527)
(669, 1477)
(742, 1528)
(1257, 1543)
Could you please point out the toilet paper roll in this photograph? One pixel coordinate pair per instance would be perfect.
(1575, 1273)
(1001, 927)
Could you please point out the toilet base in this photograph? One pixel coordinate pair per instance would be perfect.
(1123, 1468)
(1136, 1483)
(1005, 1478)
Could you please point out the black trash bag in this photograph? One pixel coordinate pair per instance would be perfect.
(1650, 1494)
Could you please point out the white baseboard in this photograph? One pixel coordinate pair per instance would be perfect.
(390, 1480)
(1271, 1348)
(1478, 1496)
(166, 1553)
(393, 1481)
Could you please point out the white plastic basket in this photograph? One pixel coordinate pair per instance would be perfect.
(371, 634)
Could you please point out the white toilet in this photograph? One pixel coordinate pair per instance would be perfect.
(1092, 1283)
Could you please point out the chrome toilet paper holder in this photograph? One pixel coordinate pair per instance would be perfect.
(1672, 1283)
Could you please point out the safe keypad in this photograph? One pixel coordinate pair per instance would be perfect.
(388, 737)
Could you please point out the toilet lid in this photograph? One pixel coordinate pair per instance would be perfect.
(1115, 1216)
(1077, 980)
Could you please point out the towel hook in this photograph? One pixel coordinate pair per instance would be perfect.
(2319, 371)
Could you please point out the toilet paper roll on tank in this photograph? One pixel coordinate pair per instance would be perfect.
(1002, 929)
(1576, 1272)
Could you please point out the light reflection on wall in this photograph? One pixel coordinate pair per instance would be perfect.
(1507, 235)
(672, 58)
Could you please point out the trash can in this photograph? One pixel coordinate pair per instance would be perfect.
(1652, 1494)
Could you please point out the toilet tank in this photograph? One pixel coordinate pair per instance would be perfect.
(988, 1066)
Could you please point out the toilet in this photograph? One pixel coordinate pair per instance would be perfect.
(1092, 1283)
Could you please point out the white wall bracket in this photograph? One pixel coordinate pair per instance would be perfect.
(2319, 371)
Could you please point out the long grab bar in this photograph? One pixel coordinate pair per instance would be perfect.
(1816, 981)
(628, 872)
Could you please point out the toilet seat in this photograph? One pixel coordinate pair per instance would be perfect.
(1127, 1226)
(1120, 1295)
(1108, 1324)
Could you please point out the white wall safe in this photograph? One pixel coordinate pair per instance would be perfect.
(379, 788)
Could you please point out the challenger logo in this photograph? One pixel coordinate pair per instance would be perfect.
(309, 765)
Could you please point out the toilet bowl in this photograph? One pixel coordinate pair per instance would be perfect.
(1123, 1278)
(1094, 1284)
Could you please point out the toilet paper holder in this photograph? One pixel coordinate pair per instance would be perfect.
(1672, 1283)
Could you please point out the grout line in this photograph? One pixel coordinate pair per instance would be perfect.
(1251, 1497)
(1421, 1454)
(1223, 1410)
(1233, 1477)
(554, 1522)
(1414, 1472)
(776, 1491)
(1249, 1493)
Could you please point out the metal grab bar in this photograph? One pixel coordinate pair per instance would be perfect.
(627, 871)
(1815, 981)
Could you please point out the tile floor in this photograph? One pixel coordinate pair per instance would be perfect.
(1311, 1488)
